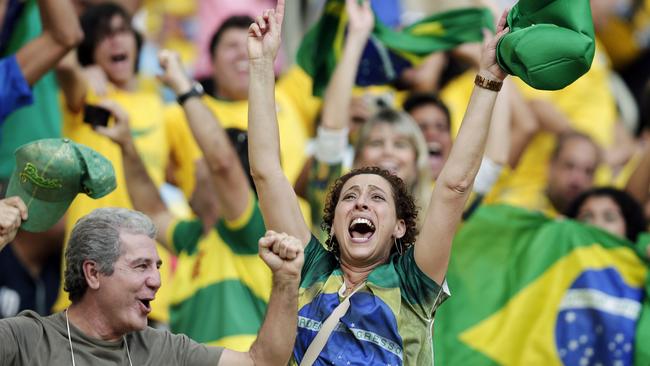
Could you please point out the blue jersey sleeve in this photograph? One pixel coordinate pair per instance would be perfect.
(15, 92)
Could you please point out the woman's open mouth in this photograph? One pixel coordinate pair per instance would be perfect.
(361, 230)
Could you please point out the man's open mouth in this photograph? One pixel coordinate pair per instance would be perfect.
(146, 304)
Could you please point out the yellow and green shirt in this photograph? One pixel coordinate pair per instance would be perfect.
(221, 286)
(389, 320)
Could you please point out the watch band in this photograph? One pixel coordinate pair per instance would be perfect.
(195, 91)
(487, 83)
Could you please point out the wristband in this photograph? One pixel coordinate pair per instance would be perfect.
(488, 84)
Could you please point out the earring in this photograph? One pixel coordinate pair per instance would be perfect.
(399, 246)
(329, 245)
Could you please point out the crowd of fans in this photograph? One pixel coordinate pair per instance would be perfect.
(174, 77)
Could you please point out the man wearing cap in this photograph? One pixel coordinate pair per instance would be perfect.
(112, 275)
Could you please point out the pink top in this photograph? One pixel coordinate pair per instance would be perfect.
(212, 13)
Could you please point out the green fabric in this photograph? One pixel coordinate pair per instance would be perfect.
(240, 312)
(550, 43)
(51, 172)
(224, 269)
(511, 269)
(642, 243)
(642, 355)
(392, 50)
(319, 263)
(244, 240)
(43, 118)
(391, 315)
(186, 236)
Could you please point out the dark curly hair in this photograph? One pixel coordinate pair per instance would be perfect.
(404, 206)
(632, 211)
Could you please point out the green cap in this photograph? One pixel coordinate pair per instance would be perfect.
(550, 43)
(50, 172)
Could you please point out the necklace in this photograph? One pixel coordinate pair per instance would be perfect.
(67, 324)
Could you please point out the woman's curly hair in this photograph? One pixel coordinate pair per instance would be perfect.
(404, 206)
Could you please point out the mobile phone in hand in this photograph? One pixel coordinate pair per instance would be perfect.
(96, 115)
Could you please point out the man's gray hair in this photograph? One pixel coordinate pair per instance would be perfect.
(96, 237)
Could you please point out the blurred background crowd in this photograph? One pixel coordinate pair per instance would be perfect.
(582, 152)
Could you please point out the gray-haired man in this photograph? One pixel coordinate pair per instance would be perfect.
(111, 276)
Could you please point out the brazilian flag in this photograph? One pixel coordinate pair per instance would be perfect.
(530, 290)
(389, 51)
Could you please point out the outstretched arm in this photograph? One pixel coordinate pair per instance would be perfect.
(12, 213)
(61, 33)
(454, 184)
(278, 201)
(231, 184)
(142, 191)
(73, 82)
(274, 343)
(338, 95)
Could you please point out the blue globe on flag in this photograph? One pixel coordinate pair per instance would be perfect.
(597, 320)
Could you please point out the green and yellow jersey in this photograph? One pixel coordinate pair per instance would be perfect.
(221, 286)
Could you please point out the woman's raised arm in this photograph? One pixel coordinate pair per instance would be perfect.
(454, 184)
(278, 201)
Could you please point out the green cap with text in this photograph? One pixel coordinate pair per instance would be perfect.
(550, 44)
(50, 172)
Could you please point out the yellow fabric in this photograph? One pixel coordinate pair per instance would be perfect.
(296, 86)
(218, 263)
(239, 223)
(296, 110)
(589, 106)
(184, 151)
(239, 343)
(146, 120)
(605, 176)
(456, 96)
(625, 39)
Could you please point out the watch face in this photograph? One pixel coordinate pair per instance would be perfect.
(198, 87)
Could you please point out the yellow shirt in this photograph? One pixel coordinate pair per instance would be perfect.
(589, 106)
(145, 112)
(296, 111)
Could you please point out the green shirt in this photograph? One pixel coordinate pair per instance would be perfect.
(43, 118)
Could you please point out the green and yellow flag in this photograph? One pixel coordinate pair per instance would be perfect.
(389, 51)
(530, 290)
